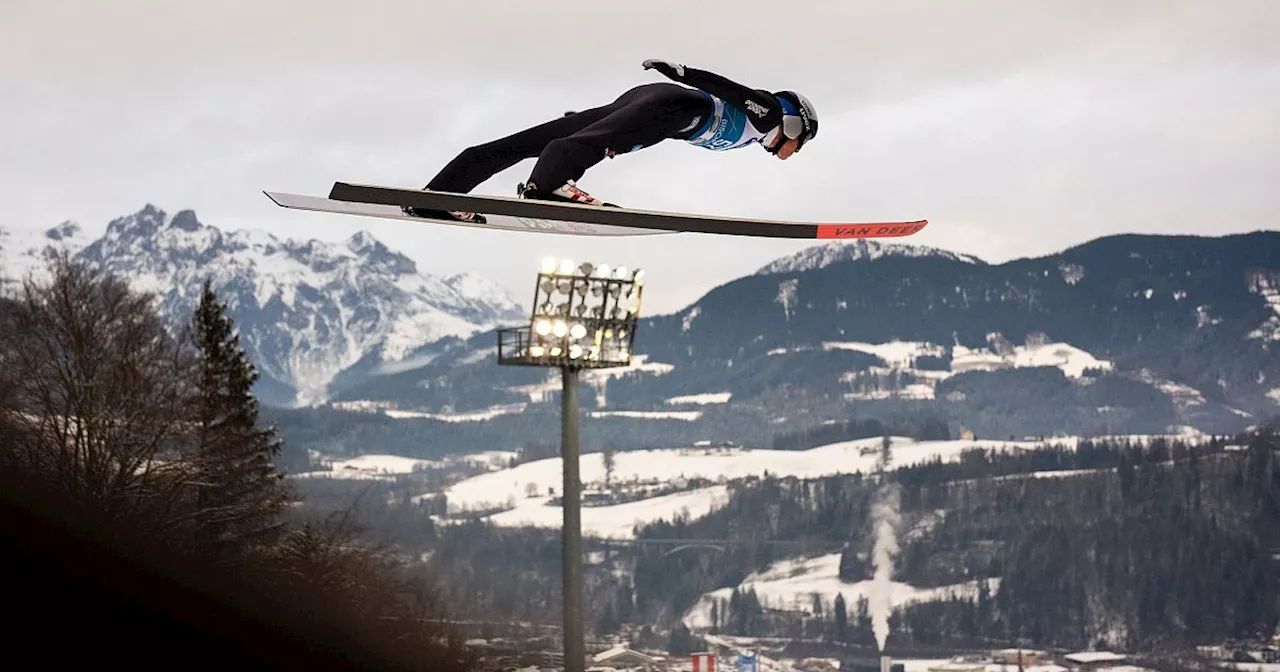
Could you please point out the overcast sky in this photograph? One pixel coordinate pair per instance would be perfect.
(1016, 127)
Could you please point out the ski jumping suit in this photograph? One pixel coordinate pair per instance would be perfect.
(717, 114)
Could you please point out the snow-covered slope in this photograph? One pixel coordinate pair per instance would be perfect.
(22, 252)
(901, 357)
(791, 584)
(821, 256)
(659, 483)
(1267, 285)
(1108, 336)
(524, 490)
(305, 309)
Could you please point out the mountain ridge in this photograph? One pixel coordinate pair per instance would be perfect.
(1130, 333)
(1141, 332)
(306, 310)
(820, 256)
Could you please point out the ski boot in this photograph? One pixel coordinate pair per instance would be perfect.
(456, 215)
(569, 193)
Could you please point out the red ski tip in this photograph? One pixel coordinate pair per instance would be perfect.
(876, 230)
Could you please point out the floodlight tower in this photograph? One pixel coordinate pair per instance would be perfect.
(584, 317)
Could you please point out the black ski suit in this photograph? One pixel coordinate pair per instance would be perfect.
(641, 117)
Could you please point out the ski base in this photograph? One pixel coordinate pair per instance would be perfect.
(511, 213)
(495, 222)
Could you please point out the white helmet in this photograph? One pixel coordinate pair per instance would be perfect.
(799, 118)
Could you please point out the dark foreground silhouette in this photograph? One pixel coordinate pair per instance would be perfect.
(80, 591)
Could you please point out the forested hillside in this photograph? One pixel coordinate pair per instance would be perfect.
(1128, 334)
(1132, 546)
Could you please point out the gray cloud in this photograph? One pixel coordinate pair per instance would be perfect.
(1017, 128)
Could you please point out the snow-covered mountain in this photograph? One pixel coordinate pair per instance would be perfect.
(22, 252)
(1129, 333)
(305, 310)
(822, 256)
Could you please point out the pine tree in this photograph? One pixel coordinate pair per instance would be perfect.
(733, 617)
(241, 494)
(862, 621)
(752, 612)
(608, 622)
(680, 642)
(842, 619)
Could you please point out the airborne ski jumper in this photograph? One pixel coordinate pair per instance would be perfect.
(701, 108)
(711, 112)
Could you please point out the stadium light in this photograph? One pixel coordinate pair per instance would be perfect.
(584, 316)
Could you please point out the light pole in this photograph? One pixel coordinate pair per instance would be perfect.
(583, 317)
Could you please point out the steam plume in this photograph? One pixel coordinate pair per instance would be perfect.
(884, 520)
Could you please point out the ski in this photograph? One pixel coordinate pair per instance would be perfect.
(495, 222)
(512, 213)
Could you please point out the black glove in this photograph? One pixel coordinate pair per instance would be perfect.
(668, 69)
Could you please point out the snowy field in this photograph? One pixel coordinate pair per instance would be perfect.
(616, 521)
(901, 356)
(955, 664)
(527, 486)
(527, 490)
(705, 398)
(370, 467)
(388, 467)
(470, 416)
(791, 584)
(388, 409)
(934, 665)
(864, 384)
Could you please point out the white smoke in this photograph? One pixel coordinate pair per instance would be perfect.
(884, 521)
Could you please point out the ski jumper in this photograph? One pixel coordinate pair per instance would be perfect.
(716, 114)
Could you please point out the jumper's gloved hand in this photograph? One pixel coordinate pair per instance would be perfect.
(668, 69)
